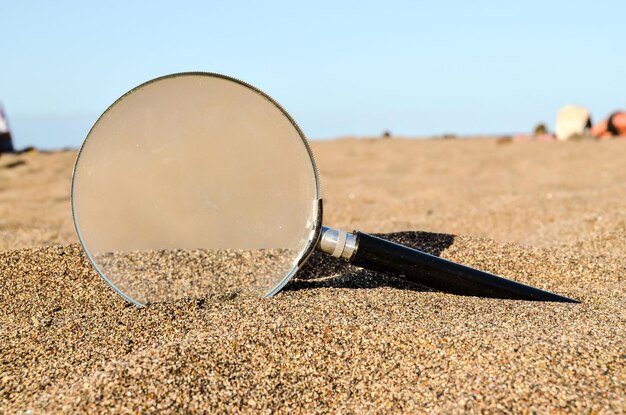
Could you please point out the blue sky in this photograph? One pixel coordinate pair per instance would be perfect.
(340, 68)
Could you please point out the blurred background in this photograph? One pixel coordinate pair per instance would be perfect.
(340, 68)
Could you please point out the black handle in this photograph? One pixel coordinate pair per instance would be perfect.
(377, 254)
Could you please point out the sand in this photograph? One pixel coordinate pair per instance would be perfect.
(339, 339)
(149, 277)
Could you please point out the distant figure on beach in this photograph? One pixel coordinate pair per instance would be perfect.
(540, 133)
(614, 126)
(540, 129)
(572, 122)
(6, 142)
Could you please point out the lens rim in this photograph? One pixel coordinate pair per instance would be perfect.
(317, 226)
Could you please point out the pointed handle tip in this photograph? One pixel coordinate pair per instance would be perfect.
(560, 299)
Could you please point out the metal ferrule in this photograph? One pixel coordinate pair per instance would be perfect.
(337, 243)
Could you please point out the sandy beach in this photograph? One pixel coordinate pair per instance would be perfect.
(339, 339)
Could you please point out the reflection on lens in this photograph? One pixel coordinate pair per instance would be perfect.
(192, 184)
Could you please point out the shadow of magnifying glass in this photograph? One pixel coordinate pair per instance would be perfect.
(197, 183)
(323, 271)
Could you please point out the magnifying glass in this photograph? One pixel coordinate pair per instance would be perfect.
(198, 183)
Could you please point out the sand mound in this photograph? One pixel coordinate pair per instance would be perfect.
(338, 339)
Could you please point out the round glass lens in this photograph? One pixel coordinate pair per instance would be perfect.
(193, 184)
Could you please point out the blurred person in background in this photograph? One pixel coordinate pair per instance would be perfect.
(6, 143)
(614, 126)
